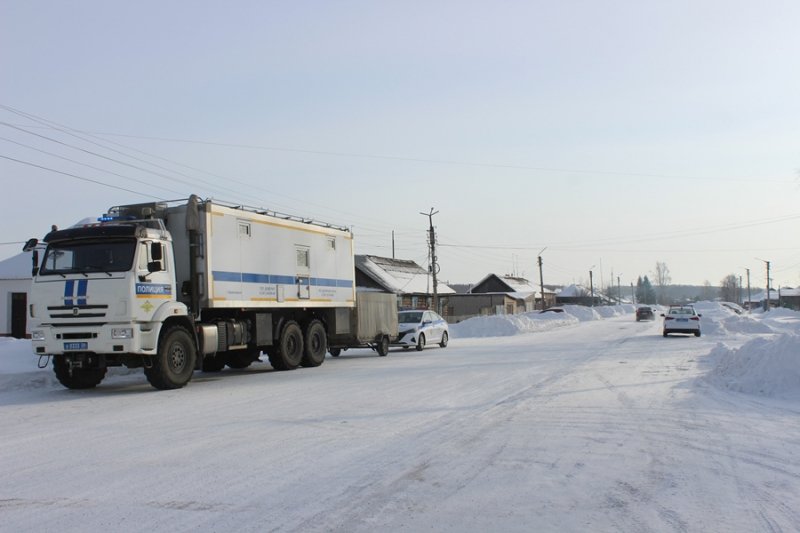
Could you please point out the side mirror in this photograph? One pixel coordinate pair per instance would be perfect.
(154, 266)
(30, 245)
(662, 314)
(698, 314)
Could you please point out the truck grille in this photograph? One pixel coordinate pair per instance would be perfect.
(78, 311)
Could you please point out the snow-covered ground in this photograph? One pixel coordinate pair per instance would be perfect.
(578, 421)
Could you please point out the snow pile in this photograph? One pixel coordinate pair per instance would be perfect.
(16, 356)
(780, 313)
(608, 311)
(508, 325)
(19, 366)
(763, 366)
(582, 313)
(721, 319)
(745, 324)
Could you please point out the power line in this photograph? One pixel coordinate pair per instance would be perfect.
(656, 236)
(82, 178)
(87, 165)
(442, 161)
(119, 162)
(70, 131)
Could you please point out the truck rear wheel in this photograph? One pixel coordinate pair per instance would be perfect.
(78, 378)
(316, 344)
(289, 351)
(173, 365)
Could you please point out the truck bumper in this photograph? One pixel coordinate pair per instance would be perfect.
(140, 339)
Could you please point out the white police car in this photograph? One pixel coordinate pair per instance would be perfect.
(681, 319)
(418, 328)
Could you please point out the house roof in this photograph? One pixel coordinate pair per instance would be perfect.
(16, 267)
(400, 276)
(575, 291)
(516, 284)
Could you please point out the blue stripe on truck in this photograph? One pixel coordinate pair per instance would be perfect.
(248, 277)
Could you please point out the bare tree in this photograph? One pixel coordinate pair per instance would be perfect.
(728, 286)
(663, 280)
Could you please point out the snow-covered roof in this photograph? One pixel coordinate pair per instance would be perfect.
(400, 276)
(16, 267)
(761, 295)
(574, 291)
(517, 284)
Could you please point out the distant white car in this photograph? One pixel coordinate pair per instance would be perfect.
(681, 319)
(418, 328)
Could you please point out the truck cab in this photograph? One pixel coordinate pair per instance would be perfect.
(100, 297)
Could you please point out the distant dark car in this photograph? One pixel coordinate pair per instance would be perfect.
(645, 313)
(552, 310)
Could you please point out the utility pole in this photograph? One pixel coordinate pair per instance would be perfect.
(619, 292)
(766, 305)
(591, 286)
(393, 244)
(767, 285)
(434, 264)
(541, 278)
(633, 295)
(766, 301)
(748, 289)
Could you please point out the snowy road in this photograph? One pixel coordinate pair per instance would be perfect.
(600, 426)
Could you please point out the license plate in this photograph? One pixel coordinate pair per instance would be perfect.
(683, 320)
(76, 345)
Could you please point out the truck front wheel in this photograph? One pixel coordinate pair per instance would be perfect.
(316, 344)
(289, 351)
(77, 378)
(173, 365)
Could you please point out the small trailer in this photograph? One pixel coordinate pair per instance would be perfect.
(373, 324)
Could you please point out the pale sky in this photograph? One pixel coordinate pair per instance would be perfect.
(610, 134)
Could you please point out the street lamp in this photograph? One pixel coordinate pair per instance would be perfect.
(591, 283)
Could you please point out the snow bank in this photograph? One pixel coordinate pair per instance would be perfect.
(16, 356)
(720, 319)
(745, 324)
(19, 366)
(763, 366)
(508, 325)
(582, 313)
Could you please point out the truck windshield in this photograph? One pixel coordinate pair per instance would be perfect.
(88, 256)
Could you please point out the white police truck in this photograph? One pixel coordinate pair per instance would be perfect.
(172, 287)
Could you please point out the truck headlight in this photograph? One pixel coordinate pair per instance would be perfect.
(37, 335)
(122, 333)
